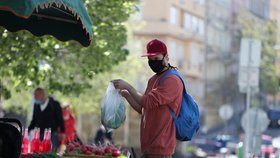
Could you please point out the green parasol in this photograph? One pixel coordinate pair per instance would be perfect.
(63, 19)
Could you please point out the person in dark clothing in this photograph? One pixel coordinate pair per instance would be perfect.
(47, 113)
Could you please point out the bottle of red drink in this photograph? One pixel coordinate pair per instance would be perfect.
(32, 144)
(24, 146)
(43, 143)
(35, 143)
(48, 143)
(38, 141)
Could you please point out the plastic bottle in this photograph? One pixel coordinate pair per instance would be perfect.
(35, 143)
(42, 147)
(32, 144)
(48, 143)
(62, 148)
(25, 142)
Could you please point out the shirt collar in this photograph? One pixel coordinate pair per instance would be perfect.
(43, 107)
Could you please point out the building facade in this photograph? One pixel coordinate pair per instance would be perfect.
(274, 15)
(203, 39)
(181, 25)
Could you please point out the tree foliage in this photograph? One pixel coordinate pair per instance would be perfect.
(28, 61)
(268, 77)
(266, 31)
(133, 70)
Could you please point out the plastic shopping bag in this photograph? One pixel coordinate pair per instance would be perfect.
(112, 109)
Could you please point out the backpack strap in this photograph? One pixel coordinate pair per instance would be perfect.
(174, 72)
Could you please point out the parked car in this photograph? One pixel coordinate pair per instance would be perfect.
(274, 117)
(228, 142)
(206, 147)
(266, 147)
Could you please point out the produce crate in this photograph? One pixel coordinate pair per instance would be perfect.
(83, 156)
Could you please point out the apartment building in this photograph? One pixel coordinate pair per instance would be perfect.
(218, 58)
(187, 27)
(181, 25)
(274, 15)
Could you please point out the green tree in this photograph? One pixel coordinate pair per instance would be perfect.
(133, 70)
(27, 61)
(266, 31)
(268, 77)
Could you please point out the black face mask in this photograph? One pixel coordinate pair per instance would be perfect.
(156, 65)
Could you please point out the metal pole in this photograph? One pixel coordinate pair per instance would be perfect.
(206, 50)
(226, 127)
(248, 97)
(1, 93)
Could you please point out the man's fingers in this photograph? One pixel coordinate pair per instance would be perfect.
(116, 83)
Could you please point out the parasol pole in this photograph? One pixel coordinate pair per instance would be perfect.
(54, 18)
(1, 108)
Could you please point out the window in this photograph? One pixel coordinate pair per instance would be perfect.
(180, 58)
(194, 24)
(201, 2)
(201, 60)
(187, 21)
(194, 58)
(201, 27)
(172, 50)
(211, 36)
(173, 15)
(176, 54)
(223, 41)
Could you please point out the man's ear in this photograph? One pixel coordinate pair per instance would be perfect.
(166, 60)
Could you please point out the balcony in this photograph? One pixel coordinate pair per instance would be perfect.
(162, 27)
(191, 73)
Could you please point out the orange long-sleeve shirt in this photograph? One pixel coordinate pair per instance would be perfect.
(158, 135)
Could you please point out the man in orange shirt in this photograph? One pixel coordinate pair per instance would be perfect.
(158, 135)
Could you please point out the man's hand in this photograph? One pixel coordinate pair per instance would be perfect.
(120, 84)
(124, 93)
(127, 91)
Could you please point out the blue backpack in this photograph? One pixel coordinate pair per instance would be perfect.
(187, 122)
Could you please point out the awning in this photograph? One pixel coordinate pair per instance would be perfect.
(63, 19)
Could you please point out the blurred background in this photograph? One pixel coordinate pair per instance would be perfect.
(204, 41)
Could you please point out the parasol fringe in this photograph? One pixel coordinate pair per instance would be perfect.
(65, 7)
(36, 9)
(76, 15)
(50, 5)
(41, 6)
(60, 4)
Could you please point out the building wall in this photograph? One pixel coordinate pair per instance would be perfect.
(186, 26)
(218, 51)
(180, 24)
(275, 16)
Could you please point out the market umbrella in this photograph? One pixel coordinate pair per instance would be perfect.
(63, 19)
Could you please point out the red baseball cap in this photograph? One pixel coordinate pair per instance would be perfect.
(155, 47)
